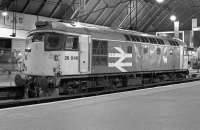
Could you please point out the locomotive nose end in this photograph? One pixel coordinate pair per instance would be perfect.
(19, 80)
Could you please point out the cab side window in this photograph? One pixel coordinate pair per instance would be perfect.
(71, 43)
(54, 41)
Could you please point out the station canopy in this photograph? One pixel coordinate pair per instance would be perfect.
(140, 15)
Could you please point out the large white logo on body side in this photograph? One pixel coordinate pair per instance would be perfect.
(119, 64)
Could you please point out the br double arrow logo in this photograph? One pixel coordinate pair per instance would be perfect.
(119, 63)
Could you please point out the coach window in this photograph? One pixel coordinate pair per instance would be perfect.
(54, 41)
(71, 43)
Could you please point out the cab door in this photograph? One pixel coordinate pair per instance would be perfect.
(84, 54)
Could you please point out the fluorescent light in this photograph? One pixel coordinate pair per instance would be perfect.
(173, 18)
(160, 1)
(4, 13)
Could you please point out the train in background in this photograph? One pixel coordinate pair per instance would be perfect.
(67, 58)
(11, 49)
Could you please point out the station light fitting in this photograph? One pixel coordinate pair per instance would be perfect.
(173, 18)
(4, 13)
(160, 1)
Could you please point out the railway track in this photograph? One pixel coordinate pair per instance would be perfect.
(22, 102)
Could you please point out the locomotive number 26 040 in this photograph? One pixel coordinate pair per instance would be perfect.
(71, 57)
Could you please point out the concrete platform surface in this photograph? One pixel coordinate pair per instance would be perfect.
(173, 107)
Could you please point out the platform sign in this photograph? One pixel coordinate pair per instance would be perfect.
(17, 18)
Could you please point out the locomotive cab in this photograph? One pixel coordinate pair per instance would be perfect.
(56, 54)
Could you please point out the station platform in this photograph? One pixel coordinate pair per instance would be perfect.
(172, 107)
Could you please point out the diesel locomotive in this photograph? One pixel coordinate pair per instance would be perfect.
(66, 58)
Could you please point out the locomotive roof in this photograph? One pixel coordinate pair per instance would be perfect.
(96, 31)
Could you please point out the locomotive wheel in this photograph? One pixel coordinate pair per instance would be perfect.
(19, 81)
(43, 83)
(115, 83)
(70, 87)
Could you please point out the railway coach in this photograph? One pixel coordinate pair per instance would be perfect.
(75, 57)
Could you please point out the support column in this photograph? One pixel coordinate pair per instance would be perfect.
(176, 29)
